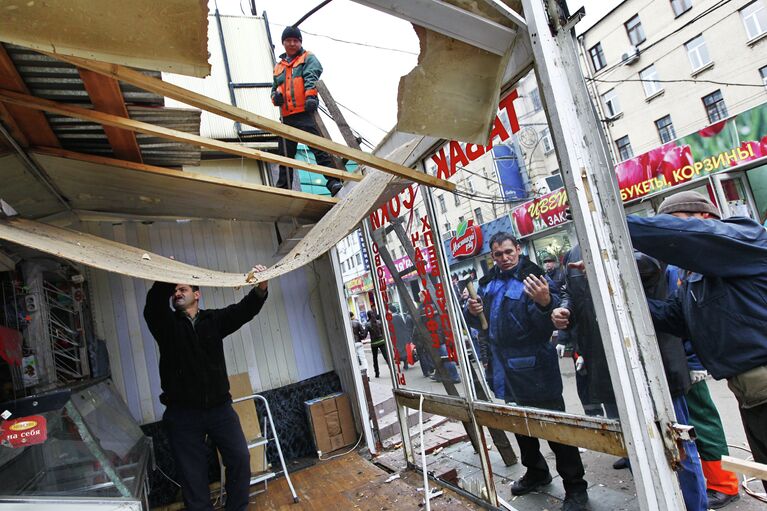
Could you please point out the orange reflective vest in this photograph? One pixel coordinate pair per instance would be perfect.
(289, 80)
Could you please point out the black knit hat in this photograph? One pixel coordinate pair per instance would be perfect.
(688, 202)
(292, 32)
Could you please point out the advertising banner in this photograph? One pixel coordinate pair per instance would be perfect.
(717, 147)
(720, 146)
(541, 213)
(502, 224)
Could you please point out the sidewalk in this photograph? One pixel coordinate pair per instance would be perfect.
(609, 489)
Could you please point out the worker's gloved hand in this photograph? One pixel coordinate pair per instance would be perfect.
(561, 348)
(311, 104)
(696, 376)
(278, 99)
(579, 364)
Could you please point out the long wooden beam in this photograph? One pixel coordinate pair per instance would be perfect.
(749, 468)
(197, 100)
(14, 98)
(107, 97)
(30, 124)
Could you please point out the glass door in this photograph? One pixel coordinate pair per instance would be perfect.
(734, 194)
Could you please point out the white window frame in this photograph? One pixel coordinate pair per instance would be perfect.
(478, 216)
(598, 52)
(754, 17)
(470, 184)
(649, 77)
(669, 127)
(630, 149)
(637, 30)
(442, 204)
(546, 142)
(680, 6)
(697, 52)
(763, 74)
(611, 103)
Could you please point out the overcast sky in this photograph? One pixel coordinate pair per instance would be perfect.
(363, 52)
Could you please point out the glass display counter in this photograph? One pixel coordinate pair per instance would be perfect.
(76, 448)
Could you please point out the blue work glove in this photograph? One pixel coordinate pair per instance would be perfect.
(311, 104)
(278, 99)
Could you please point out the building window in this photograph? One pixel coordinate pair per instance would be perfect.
(457, 199)
(417, 213)
(448, 227)
(461, 219)
(635, 31)
(478, 216)
(665, 129)
(763, 74)
(715, 107)
(610, 100)
(624, 148)
(546, 141)
(442, 205)
(535, 97)
(359, 259)
(649, 77)
(470, 184)
(597, 57)
(681, 6)
(754, 19)
(697, 53)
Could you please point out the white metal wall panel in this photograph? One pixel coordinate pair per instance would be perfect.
(286, 343)
(250, 60)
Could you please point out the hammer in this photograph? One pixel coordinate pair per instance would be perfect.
(467, 283)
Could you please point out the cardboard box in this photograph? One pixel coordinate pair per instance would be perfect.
(332, 422)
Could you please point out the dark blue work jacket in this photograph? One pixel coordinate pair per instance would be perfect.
(524, 363)
(722, 306)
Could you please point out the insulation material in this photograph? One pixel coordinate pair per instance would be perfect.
(170, 35)
(126, 260)
(453, 92)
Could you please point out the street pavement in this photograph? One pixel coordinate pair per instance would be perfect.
(609, 489)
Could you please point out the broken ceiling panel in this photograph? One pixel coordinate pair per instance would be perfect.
(126, 260)
(453, 92)
(23, 191)
(111, 186)
(170, 35)
(109, 255)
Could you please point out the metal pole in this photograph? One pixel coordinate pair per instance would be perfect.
(642, 394)
(407, 442)
(367, 410)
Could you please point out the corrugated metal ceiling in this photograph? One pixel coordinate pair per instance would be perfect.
(51, 79)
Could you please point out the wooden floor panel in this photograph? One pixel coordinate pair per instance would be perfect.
(349, 482)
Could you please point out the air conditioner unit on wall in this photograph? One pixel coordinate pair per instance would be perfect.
(631, 56)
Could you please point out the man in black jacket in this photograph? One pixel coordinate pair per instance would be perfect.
(196, 387)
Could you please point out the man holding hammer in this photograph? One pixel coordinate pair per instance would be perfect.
(518, 299)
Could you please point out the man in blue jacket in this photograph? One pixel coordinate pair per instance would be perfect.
(722, 306)
(518, 299)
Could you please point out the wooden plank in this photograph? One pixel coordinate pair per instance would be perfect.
(106, 96)
(14, 98)
(33, 124)
(337, 116)
(194, 99)
(749, 468)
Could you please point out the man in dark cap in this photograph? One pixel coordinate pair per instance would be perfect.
(722, 305)
(294, 91)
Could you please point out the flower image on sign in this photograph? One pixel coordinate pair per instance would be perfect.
(717, 147)
(541, 213)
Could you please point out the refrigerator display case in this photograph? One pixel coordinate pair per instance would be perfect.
(75, 448)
